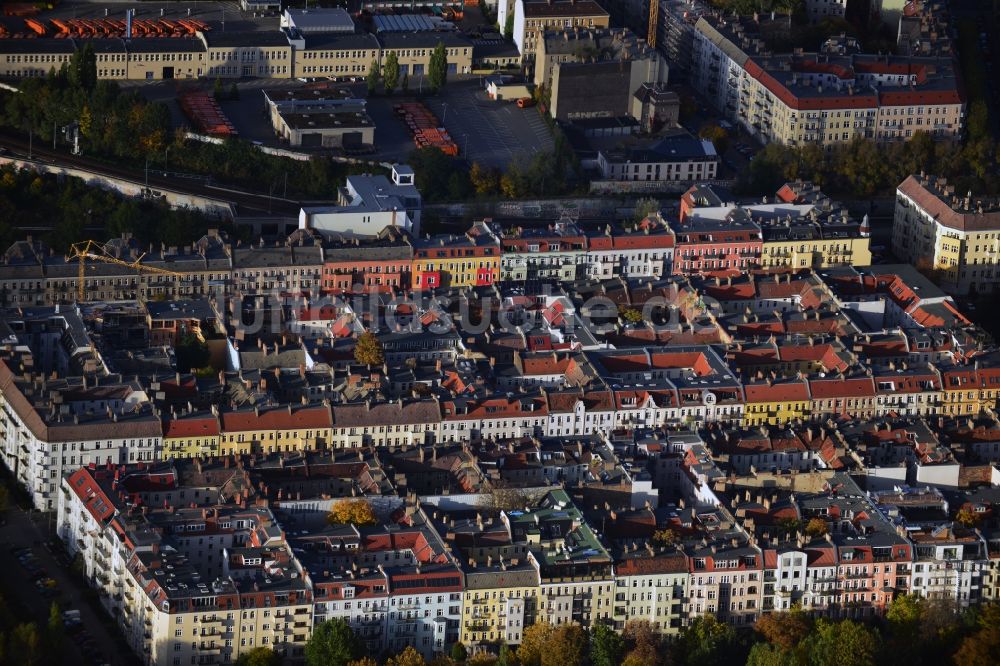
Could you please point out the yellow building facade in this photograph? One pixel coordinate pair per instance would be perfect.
(498, 603)
(191, 436)
(276, 430)
(470, 260)
(776, 403)
(816, 253)
(954, 234)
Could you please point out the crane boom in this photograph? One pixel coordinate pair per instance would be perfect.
(654, 15)
(95, 251)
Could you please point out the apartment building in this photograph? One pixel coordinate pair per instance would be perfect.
(558, 253)
(380, 264)
(950, 562)
(192, 435)
(533, 18)
(651, 586)
(826, 98)
(293, 268)
(800, 228)
(592, 73)
(645, 251)
(395, 587)
(49, 427)
(776, 401)
(575, 569)
(954, 236)
(172, 601)
(674, 159)
(32, 274)
(276, 429)
(469, 260)
(499, 601)
(717, 239)
(397, 423)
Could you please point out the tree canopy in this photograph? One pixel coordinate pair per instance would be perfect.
(259, 656)
(368, 350)
(333, 643)
(351, 511)
(390, 72)
(437, 70)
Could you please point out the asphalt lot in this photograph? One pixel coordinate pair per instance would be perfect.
(491, 133)
(486, 131)
(20, 531)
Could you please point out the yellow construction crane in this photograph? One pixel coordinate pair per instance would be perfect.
(654, 16)
(95, 251)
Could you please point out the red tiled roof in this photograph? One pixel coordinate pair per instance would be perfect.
(855, 387)
(779, 392)
(205, 426)
(281, 418)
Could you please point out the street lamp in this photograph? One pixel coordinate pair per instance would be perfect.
(444, 114)
(166, 152)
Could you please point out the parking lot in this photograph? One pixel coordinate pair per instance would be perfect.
(37, 573)
(490, 132)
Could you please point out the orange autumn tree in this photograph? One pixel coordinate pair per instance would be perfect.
(355, 511)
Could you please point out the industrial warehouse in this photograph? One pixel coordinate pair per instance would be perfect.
(130, 49)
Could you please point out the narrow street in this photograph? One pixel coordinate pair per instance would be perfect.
(21, 530)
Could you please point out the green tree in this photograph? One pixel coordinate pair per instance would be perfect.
(373, 77)
(844, 643)
(708, 642)
(55, 634)
(368, 350)
(217, 90)
(259, 656)
(437, 70)
(333, 643)
(765, 654)
(435, 174)
(508, 27)
(662, 537)
(405, 85)
(459, 653)
(390, 73)
(191, 353)
(506, 656)
(982, 647)
(903, 619)
(607, 647)
(26, 643)
(83, 68)
(644, 208)
(718, 136)
(234, 91)
(484, 179)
